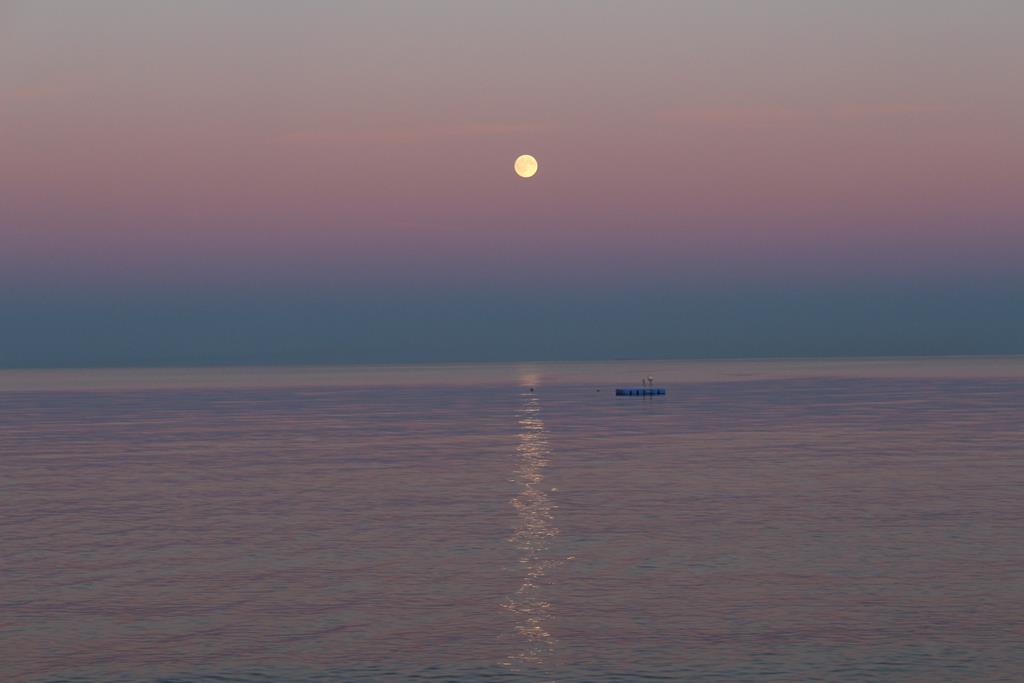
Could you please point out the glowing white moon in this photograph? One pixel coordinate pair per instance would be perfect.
(526, 166)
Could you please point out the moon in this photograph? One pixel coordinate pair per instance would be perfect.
(526, 166)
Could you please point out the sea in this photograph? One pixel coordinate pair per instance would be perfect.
(765, 520)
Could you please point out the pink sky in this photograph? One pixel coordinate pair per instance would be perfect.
(159, 143)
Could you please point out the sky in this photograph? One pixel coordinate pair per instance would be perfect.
(318, 182)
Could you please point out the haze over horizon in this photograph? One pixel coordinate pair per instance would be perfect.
(235, 183)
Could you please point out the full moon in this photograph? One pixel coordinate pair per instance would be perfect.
(526, 166)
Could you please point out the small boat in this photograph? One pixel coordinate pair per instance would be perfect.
(640, 391)
(647, 389)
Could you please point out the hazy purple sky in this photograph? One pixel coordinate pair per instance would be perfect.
(199, 172)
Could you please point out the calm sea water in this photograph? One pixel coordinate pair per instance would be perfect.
(791, 521)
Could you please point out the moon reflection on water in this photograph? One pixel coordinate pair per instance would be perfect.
(534, 533)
